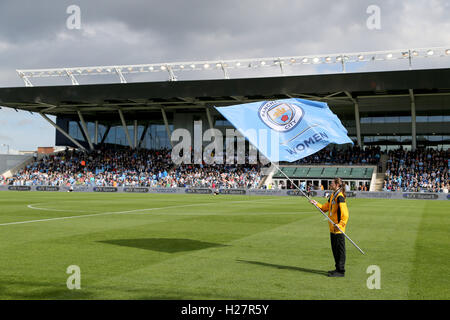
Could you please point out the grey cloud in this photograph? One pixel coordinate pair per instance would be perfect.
(33, 34)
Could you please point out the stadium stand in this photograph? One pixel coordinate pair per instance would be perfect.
(348, 156)
(380, 110)
(425, 170)
(420, 170)
(124, 167)
(326, 172)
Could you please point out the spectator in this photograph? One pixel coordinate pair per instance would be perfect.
(423, 170)
(126, 167)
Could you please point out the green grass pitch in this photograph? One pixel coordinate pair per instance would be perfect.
(153, 246)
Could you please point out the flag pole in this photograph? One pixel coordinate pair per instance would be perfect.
(320, 210)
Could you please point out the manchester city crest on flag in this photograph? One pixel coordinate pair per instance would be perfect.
(281, 117)
(287, 129)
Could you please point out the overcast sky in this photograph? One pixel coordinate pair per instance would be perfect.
(34, 34)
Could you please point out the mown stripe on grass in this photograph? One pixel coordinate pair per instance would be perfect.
(200, 265)
(430, 278)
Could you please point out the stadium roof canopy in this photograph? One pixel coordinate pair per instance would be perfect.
(384, 92)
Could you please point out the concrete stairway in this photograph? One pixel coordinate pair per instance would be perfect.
(267, 175)
(379, 177)
(379, 182)
(10, 164)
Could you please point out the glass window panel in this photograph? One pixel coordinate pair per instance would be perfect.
(73, 129)
(434, 138)
(378, 120)
(404, 119)
(435, 118)
(91, 130)
(394, 138)
(391, 119)
(421, 119)
(101, 132)
(406, 138)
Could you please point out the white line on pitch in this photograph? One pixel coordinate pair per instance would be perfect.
(32, 206)
(124, 212)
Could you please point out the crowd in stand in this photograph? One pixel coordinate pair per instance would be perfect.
(124, 167)
(347, 156)
(417, 171)
(215, 176)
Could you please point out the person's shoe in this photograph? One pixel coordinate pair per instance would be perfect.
(336, 274)
(332, 271)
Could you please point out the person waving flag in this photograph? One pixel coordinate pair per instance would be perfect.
(289, 130)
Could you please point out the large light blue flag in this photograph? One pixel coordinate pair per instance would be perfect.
(287, 130)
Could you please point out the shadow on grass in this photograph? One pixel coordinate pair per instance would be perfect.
(320, 272)
(167, 245)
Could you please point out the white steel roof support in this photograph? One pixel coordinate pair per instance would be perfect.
(413, 120)
(408, 55)
(62, 131)
(166, 123)
(224, 70)
(121, 77)
(72, 77)
(144, 132)
(96, 132)
(125, 128)
(24, 78)
(357, 120)
(135, 131)
(86, 133)
(210, 120)
(172, 76)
